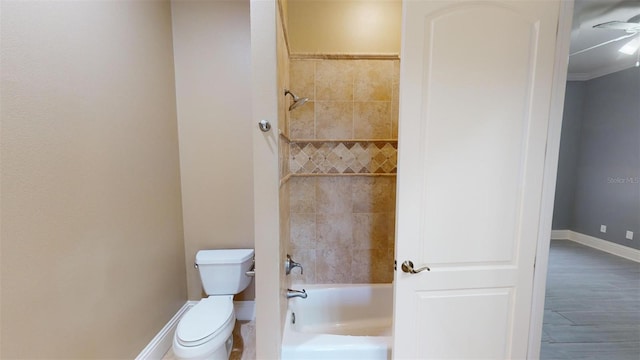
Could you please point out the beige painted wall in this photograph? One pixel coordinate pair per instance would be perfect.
(212, 49)
(344, 26)
(92, 251)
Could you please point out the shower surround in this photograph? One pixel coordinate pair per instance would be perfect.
(342, 148)
(348, 99)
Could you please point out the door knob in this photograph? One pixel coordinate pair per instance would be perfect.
(407, 267)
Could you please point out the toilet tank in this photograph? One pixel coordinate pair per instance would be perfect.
(222, 272)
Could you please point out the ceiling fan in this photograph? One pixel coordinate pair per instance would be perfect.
(631, 27)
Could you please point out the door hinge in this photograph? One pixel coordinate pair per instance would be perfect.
(395, 265)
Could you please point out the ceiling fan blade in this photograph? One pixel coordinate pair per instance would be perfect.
(619, 25)
(604, 43)
(635, 19)
(631, 46)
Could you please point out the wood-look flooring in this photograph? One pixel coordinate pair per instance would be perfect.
(592, 305)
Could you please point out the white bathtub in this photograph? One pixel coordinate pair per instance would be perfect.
(339, 322)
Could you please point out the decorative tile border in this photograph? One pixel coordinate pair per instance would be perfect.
(343, 157)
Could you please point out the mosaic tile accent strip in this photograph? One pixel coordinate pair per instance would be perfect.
(344, 157)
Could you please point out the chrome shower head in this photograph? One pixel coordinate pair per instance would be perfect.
(296, 100)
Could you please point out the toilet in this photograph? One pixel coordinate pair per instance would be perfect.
(204, 332)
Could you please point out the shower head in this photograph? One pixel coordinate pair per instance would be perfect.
(296, 100)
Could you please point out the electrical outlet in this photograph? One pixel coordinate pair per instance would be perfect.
(629, 235)
(603, 228)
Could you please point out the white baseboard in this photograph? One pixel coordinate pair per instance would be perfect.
(245, 310)
(161, 343)
(596, 243)
(560, 234)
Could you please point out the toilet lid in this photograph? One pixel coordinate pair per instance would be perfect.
(204, 319)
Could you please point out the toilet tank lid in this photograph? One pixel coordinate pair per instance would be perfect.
(223, 256)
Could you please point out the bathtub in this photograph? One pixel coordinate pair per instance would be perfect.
(339, 322)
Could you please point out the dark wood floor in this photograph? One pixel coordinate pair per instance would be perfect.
(592, 306)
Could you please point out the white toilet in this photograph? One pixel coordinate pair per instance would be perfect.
(204, 332)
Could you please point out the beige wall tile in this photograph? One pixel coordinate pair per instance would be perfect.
(395, 99)
(302, 196)
(333, 266)
(307, 258)
(302, 78)
(302, 121)
(283, 158)
(361, 266)
(395, 112)
(372, 266)
(352, 217)
(285, 233)
(334, 231)
(334, 120)
(362, 242)
(285, 229)
(372, 120)
(370, 231)
(296, 159)
(320, 158)
(372, 80)
(334, 80)
(373, 194)
(333, 195)
(396, 72)
(391, 230)
(283, 67)
(382, 265)
(303, 231)
(285, 214)
(340, 158)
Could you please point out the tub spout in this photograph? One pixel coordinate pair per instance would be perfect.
(296, 293)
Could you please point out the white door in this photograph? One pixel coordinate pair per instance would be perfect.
(475, 91)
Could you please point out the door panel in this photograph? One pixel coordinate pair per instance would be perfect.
(475, 90)
(487, 307)
(474, 151)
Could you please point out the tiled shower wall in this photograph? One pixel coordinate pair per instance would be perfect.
(342, 227)
(349, 99)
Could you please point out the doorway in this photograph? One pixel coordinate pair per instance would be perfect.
(542, 225)
(593, 293)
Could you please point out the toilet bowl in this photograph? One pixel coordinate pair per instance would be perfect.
(205, 331)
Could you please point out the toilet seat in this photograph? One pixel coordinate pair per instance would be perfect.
(206, 320)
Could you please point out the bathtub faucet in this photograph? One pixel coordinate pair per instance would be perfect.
(289, 264)
(296, 293)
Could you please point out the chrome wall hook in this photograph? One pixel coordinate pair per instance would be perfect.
(264, 125)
